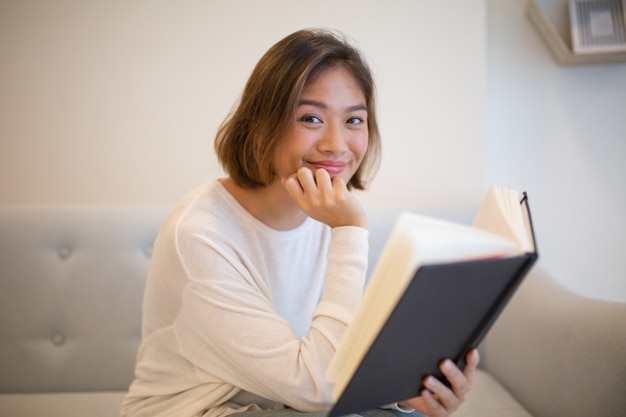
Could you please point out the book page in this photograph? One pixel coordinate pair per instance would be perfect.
(501, 213)
(415, 240)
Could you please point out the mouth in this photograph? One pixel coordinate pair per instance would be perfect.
(333, 168)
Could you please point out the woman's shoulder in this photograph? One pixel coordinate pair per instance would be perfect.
(204, 206)
(211, 213)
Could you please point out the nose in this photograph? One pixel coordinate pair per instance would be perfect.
(333, 140)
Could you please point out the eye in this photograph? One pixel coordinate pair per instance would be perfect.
(309, 118)
(355, 121)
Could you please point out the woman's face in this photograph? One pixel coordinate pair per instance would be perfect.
(329, 130)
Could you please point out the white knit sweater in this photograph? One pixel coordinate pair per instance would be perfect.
(240, 316)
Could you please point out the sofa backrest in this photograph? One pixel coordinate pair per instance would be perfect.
(71, 285)
(71, 290)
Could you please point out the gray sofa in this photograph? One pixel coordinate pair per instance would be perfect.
(71, 283)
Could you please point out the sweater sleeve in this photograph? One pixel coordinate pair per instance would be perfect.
(229, 330)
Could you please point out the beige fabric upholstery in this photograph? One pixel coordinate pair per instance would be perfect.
(487, 399)
(71, 284)
(62, 404)
(560, 353)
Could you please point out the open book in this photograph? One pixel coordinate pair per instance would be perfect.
(435, 292)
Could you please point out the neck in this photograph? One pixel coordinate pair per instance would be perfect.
(271, 205)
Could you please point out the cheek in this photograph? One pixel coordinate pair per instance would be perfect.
(293, 146)
(288, 156)
(360, 144)
(281, 159)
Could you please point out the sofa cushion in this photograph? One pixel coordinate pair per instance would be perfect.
(73, 404)
(566, 356)
(487, 399)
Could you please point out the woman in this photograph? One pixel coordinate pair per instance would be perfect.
(255, 277)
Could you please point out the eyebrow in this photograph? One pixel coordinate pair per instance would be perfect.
(319, 104)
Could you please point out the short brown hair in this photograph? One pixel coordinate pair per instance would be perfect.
(247, 140)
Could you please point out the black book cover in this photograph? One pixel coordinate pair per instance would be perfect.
(446, 310)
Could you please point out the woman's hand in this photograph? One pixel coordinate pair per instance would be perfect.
(437, 400)
(324, 199)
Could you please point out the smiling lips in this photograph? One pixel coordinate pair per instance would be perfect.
(332, 167)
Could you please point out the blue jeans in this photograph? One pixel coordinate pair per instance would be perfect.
(375, 412)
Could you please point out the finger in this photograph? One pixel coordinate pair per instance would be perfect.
(435, 408)
(292, 184)
(458, 380)
(339, 184)
(472, 360)
(324, 184)
(444, 395)
(307, 181)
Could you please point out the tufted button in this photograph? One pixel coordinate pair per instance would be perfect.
(58, 339)
(64, 251)
(147, 251)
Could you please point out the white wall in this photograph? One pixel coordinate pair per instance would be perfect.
(117, 101)
(560, 133)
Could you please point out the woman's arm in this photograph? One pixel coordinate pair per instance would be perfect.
(229, 329)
